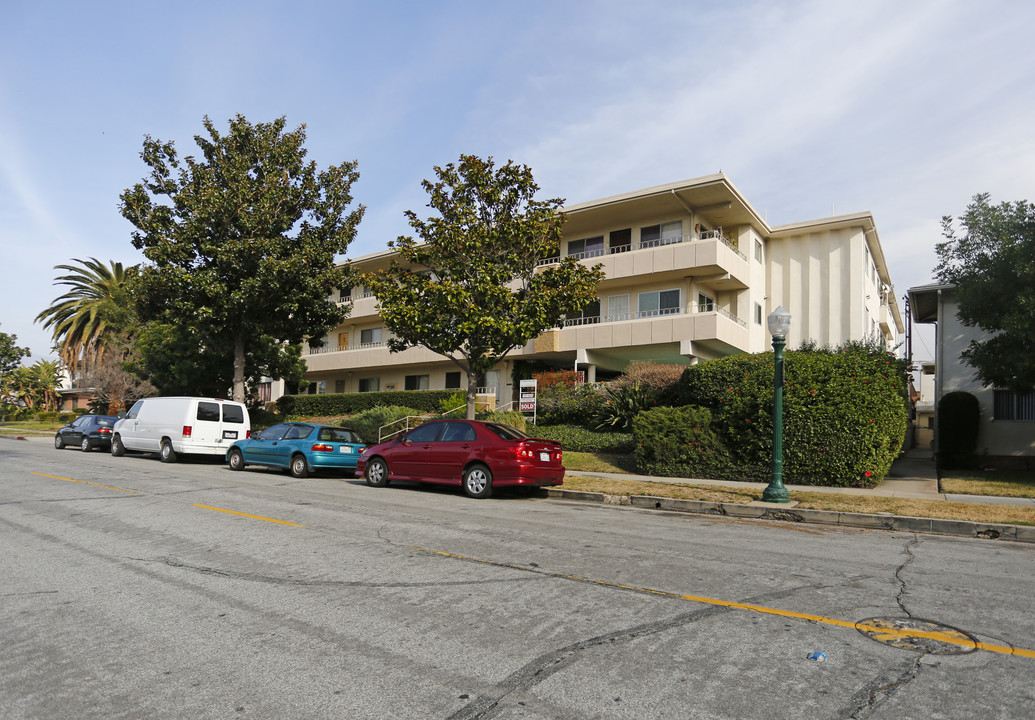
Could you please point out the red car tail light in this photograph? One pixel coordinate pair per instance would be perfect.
(104, 431)
(247, 434)
(322, 448)
(187, 430)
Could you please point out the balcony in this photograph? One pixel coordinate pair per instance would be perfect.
(716, 235)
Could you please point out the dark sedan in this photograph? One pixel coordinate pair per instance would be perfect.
(476, 455)
(86, 433)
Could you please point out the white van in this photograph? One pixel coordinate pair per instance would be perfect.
(180, 425)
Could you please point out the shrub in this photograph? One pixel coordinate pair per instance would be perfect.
(661, 378)
(49, 416)
(680, 442)
(575, 438)
(457, 400)
(68, 417)
(349, 403)
(513, 418)
(555, 377)
(959, 415)
(262, 419)
(621, 405)
(367, 423)
(569, 404)
(844, 412)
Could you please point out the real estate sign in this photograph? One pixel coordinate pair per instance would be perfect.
(526, 398)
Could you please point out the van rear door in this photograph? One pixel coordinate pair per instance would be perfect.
(207, 429)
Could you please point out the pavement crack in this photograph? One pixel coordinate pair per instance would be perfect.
(882, 688)
(900, 597)
(484, 706)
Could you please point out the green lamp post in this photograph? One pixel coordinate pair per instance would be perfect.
(779, 322)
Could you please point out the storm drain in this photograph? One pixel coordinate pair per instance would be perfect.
(918, 635)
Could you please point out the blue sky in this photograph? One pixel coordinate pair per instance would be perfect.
(905, 109)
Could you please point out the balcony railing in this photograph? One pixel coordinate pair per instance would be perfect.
(649, 314)
(648, 244)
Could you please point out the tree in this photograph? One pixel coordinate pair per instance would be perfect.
(94, 317)
(114, 386)
(35, 386)
(471, 291)
(991, 262)
(10, 354)
(241, 244)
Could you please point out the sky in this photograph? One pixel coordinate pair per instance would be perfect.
(811, 108)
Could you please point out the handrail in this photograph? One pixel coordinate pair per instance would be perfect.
(716, 234)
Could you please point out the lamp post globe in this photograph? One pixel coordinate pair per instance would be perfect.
(779, 322)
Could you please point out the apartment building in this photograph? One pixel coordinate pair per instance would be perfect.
(691, 272)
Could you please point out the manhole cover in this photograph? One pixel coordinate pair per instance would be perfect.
(918, 635)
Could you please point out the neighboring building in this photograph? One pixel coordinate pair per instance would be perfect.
(72, 393)
(1006, 429)
(923, 422)
(691, 272)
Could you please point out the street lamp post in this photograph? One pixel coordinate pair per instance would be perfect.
(779, 322)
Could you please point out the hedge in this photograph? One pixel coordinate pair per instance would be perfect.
(350, 403)
(680, 442)
(844, 413)
(578, 439)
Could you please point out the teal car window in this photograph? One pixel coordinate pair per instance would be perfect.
(299, 432)
(336, 434)
(274, 433)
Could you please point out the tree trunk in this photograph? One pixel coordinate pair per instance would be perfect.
(472, 393)
(239, 368)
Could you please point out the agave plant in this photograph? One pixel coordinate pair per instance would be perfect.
(621, 405)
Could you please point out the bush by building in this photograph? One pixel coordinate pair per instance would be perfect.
(575, 438)
(351, 403)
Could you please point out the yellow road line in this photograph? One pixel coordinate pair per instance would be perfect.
(85, 482)
(952, 638)
(254, 517)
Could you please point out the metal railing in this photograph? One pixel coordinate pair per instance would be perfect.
(648, 314)
(716, 234)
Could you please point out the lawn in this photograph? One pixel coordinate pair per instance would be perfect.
(972, 512)
(1005, 483)
(31, 426)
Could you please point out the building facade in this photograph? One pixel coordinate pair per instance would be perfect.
(691, 271)
(1006, 429)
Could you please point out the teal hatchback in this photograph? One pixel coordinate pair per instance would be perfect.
(299, 447)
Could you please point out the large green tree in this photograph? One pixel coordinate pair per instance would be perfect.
(10, 354)
(471, 290)
(95, 317)
(242, 244)
(990, 258)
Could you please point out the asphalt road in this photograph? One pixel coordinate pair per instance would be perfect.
(134, 589)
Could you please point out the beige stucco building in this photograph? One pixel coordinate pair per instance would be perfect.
(691, 271)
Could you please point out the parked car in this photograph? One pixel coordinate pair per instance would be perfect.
(299, 447)
(86, 432)
(172, 426)
(478, 456)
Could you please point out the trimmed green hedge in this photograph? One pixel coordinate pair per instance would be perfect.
(350, 403)
(844, 413)
(680, 442)
(578, 439)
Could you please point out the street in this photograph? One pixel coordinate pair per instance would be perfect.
(133, 589)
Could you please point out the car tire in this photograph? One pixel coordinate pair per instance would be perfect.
(117, 448)
(478, 481)
(299, 467)
(236, 460)
(376, 473)
(59, 444)
(85, 445)
(166, 453)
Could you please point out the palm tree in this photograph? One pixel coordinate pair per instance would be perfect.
(93, 317)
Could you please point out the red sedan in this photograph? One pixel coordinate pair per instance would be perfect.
(476, 455)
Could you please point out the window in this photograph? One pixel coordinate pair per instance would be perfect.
(370, 336)
(135, 410)
(417, 382)
(705, 303)
(425, 433)
(458, 432)
(758, 250)
(336, 434)
(664, 234)
(274, 433)
(590, 315)
(617, 308)
(298, 432)
(660, 302)
(758, 314)
(208, 411)
(620, 240)
(589, 247)
(452, 381)
(233, 414)
(369, 384)
(1008, 405)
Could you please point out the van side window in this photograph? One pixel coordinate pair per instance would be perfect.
(135, 410)
(208, 411)
(233, 414)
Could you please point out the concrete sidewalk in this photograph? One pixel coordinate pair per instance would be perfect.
(912, 476)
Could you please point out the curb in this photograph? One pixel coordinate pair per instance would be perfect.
(959, 528)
